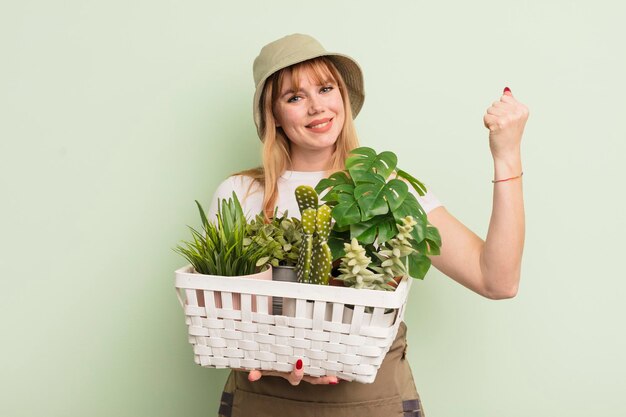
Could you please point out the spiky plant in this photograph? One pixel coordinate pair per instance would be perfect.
(355, 273)
(315, 260)
(219, 248)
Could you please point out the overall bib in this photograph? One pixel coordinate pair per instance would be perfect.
(392, 394)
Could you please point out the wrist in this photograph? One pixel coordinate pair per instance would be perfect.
(508, 165)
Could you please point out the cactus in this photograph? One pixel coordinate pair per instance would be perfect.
(315, 260)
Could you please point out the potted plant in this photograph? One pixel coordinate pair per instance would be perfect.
(378, 219)
(226, 247)
(282, 237)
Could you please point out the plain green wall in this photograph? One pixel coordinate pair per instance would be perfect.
(116, 115)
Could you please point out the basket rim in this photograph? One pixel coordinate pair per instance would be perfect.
(187, 279)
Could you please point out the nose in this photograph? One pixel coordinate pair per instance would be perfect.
(315, 105)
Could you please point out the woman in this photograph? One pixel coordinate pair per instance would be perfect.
(304, 104)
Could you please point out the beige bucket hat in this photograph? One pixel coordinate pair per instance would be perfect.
(296, 48)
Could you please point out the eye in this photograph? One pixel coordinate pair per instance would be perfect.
(294, 99)
(326, 89)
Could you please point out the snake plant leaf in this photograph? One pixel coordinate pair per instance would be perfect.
(377, 199)
(418, 265)
(347, 211)
(366, 160)
(366, 232)
(338, 178)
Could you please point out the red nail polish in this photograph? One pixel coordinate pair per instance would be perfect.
(507, 89)
(299, 364)
(333, 382)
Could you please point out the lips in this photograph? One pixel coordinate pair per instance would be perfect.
(320, 125)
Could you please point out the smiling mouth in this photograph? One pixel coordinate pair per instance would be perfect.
(319, 124)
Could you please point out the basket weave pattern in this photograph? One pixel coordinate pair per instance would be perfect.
(329, 328)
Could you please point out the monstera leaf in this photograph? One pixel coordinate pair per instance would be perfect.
(381, 228)
(410, 207)
(336, 179)
(417, 184)
(347, 210)
(418, 265)
(370, 199)
(365, 160)
(380, 197)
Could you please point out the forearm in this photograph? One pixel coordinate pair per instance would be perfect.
(501, 255)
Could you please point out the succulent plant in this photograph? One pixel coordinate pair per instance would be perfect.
(315, 260)
(281, 236)
(393, 253)
(355, 273)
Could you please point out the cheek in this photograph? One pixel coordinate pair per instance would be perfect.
(290, 118)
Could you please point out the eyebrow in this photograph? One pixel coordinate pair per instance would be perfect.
(292, 91)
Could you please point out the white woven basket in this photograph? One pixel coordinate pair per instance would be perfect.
(325, 326)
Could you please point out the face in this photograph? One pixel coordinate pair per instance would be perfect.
(311, 117)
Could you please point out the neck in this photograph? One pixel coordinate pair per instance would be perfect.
(310, 160)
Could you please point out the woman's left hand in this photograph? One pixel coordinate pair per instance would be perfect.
(505, 120)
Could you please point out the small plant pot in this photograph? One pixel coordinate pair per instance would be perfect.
(284, 274)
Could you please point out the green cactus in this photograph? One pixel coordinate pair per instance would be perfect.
(315, 260)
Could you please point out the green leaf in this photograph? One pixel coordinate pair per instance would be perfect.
(336, 179)
(418, 265)
(347, 211)
(366, 160)
(379, 198)
(383, 227)
(410, 207)
(417, 184)
(336, 243)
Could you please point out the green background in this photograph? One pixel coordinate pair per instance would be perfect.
(116, 115)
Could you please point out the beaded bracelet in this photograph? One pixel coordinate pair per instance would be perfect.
(507, 179)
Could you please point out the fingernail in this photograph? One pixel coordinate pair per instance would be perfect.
(507, 89)
(333, 382)
(299, 364)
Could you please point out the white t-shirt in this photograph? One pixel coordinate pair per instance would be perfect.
(252, 204)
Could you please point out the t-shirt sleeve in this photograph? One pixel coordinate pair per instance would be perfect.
(223, 191)
(240, 184)
(428, 201)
